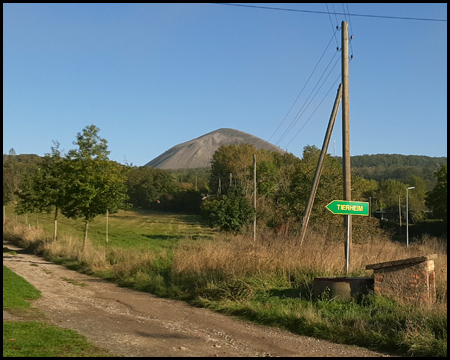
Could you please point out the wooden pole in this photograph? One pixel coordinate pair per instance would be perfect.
(107, 212)
(86, 225)
(346, 135)
(254, 196)
(323, 153)
(55, 225)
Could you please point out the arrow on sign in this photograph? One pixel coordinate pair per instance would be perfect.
(343, 207)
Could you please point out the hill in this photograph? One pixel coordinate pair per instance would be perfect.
(197, 153)
(382, 167)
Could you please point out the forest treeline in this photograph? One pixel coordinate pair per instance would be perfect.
(377, 167)
(398, 167)
(84, 183)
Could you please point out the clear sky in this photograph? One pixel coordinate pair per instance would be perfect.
(151, 76)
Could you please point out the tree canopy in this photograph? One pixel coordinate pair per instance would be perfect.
(95, 184)
(437, 198)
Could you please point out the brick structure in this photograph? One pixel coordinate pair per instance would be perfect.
(409, 280)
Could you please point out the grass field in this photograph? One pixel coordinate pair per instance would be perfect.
(136, 228)
(268, 281)
(37, 338)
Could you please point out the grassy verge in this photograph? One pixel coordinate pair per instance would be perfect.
(268, 281)
(37, 338)
(16, 291)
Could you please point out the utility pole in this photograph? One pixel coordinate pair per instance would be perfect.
(254, 196)
(323, 153)
(346, 134)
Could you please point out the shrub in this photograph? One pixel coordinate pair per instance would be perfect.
(230, 212)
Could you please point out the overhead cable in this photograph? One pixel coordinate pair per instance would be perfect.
(323, 12)
(301, 91)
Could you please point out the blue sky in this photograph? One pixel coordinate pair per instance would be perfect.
(151, 76)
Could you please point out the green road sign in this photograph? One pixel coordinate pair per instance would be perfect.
(343, 207)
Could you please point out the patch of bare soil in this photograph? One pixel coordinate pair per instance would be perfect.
(135, 324)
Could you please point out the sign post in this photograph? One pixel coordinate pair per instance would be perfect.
(342, 207)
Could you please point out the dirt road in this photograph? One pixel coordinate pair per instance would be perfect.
(134, 324)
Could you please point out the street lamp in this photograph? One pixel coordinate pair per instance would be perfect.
(407, 230)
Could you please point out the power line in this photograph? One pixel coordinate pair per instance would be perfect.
(307, 81)
(314, 110)
(332, 26)
(336, 13)
(306, 104)
(349, 20)
(351, 30)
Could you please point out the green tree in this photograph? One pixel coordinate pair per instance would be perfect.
(231, 212)
(14, 166)
(90, 145)
(11, 177)
(362, 188)
(95, 184)
(267, 175)
(235, 161)
(387, 197)
(9, 185)
(329, 188)
(8, 189)
(389, 191)
(145, 186)
(416, 198)
(279, 212)
(42, 188)
(436, 199)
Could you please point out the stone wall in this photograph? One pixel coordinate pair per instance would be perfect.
(408, 281)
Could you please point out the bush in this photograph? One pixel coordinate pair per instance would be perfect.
(230, 212)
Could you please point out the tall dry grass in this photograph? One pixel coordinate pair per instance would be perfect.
(118, 263)
(23, 235)
(240, 256)
(229, 268)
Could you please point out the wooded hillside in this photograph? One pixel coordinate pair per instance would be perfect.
(382, 167)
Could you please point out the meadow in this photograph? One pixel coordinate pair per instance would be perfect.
(268, 280)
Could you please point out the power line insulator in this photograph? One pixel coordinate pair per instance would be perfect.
(351, 37)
